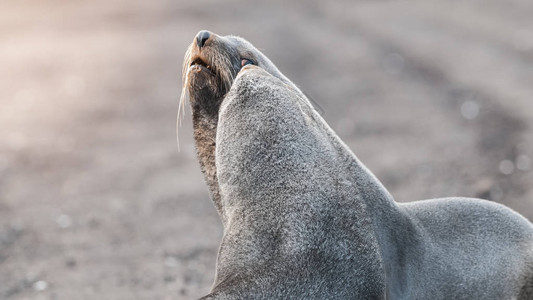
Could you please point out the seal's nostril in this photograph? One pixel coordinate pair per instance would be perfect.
(202, 37)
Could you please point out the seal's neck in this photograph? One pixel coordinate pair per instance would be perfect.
(205, 130)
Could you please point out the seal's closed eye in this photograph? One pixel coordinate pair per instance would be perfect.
(246, 61)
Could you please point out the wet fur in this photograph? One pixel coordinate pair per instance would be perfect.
(304, 218)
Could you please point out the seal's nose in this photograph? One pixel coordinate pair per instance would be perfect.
(202, 37)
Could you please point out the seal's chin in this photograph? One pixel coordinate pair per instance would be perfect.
(207, 79)
(204, 86)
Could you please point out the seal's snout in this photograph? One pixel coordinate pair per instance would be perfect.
(202, 37)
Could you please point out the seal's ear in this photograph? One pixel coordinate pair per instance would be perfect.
(315, 104)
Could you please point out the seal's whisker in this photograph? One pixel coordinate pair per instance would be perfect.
(229, 75)
(184, 92)
(223, 64)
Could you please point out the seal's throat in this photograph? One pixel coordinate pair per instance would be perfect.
(205, 131)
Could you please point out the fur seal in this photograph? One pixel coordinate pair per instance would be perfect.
(304, 218)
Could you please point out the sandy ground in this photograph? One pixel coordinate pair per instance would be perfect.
(96, 202)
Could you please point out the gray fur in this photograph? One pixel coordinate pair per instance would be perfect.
(305, 219)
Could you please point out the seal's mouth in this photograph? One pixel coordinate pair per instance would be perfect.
(199, 64)
(209, 69)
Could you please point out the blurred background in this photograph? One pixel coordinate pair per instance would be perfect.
(96, 202)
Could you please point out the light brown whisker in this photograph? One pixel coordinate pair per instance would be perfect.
(184, 92)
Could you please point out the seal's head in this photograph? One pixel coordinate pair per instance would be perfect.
(213, 66)
(210, 66)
